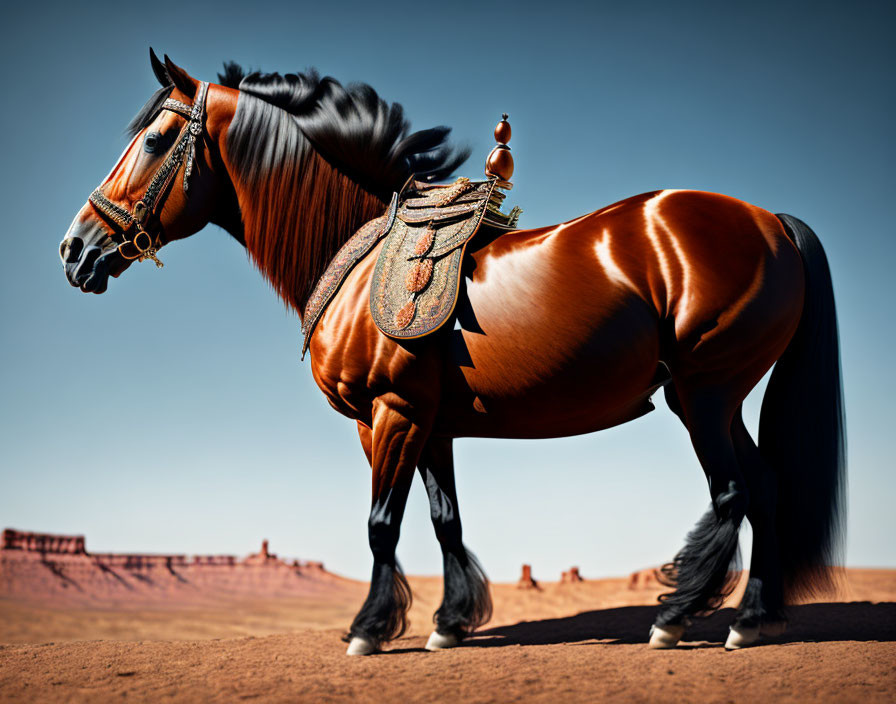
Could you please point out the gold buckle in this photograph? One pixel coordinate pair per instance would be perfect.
(148, 252)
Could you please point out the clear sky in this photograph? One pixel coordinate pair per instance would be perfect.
(172, 414)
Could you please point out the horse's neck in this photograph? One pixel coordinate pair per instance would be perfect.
(295, 216)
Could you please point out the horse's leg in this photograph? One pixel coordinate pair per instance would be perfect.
(761, 609)
(700, 571)
(395, 441)
(466, 603)
(365, 434)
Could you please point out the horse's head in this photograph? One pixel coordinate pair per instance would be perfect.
(163, 187)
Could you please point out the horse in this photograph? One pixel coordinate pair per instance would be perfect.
(561, 330)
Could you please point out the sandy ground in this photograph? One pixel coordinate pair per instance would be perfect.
(564, 642)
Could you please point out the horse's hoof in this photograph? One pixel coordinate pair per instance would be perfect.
(437, 641)
(665, 637)
(360, 646)
(773, 629)
(741, 637)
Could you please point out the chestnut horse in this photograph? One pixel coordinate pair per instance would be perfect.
(560, 330)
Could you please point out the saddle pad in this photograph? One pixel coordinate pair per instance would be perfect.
(345, 260)
(417, 276)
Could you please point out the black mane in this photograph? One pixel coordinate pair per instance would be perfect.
(353, 128)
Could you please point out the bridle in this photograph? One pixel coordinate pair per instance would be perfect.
(141, 230)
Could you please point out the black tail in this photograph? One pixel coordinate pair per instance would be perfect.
(802, 431)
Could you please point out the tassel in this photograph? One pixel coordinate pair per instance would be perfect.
(404, 316)
(424, 244)
(418, 277)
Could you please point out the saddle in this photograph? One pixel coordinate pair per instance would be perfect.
(426, 230)
(417, 276)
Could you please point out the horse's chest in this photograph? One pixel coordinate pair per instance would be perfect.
(344, 393)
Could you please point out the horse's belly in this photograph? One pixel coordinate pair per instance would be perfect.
(518, 369)
(556, 416)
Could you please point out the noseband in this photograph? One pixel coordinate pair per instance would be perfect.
(141, 229)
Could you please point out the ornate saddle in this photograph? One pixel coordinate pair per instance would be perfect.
(427, 228)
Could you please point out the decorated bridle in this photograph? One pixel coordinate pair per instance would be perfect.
(141, 229)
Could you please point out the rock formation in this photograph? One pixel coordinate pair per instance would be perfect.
(644, 579)
(262, 557)
(571, 576)
(43, 542)
(526, 581)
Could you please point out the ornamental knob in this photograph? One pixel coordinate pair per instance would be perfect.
(502, 130)
(500, 161)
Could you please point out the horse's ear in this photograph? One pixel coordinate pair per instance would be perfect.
(158, 68)
(182, 80)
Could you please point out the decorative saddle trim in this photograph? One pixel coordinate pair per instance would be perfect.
(435, 197)
(416, 281)
(345, 260)
(415, 215)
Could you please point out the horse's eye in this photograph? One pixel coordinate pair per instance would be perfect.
(151, 142)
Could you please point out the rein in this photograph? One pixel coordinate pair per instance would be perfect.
(141, 229)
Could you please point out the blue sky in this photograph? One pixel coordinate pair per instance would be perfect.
(172, 414)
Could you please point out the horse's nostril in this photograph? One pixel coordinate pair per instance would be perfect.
(85, 265)
(70, 249)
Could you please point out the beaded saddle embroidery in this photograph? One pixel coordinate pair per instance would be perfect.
(415, 284)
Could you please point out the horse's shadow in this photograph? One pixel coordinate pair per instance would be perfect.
(855, 621)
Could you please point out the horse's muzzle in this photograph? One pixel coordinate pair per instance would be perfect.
(89, 257)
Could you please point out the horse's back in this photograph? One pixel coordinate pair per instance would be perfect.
(693, 257)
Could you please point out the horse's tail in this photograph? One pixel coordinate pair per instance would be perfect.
(802, 431)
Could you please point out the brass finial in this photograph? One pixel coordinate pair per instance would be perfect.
(500, 162)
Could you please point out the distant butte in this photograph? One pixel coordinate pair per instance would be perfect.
(571, 576)
(526, 581)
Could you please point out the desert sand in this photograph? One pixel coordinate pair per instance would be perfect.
(270, 631)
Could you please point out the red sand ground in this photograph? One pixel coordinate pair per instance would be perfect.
(272, 633)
